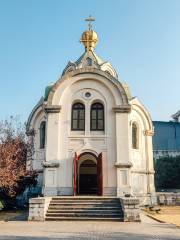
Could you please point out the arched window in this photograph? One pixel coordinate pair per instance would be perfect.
(97, 117)
(78, 117)
(42, 134)
(134, 136)
(89, 61)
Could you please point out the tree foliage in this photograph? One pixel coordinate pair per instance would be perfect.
(167, 174)
(14, 150)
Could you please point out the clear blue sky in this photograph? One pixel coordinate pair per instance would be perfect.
(141, 38)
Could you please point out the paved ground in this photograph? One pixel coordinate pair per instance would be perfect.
(147, 230)
(169, 214)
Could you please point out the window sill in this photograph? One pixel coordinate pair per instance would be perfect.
(87, 136)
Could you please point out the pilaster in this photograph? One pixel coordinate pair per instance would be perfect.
(123, 163)
(150, 165)
(51, 164)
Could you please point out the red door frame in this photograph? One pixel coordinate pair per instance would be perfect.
(75, 160)
(99, 172)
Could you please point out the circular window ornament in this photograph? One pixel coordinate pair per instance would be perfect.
(87, 94)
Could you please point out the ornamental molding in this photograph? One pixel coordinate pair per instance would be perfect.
(84, 71)
(148, 133)
(143, 172)
(123, 165)
(51, 164)
(52, 108)
(122, 109)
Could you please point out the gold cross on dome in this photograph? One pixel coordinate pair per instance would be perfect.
(90, 19)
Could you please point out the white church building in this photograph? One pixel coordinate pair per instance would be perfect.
(90, 136)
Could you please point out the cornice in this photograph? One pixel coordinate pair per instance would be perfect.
(143, 171)
(148, 133)
(52, 108)
(51, 164)
(123, 165)
(122, 109)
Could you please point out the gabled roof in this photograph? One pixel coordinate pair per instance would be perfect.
(92, 60)
(91, 55)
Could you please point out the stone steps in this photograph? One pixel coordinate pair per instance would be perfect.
(101, 211)
(88, 197)
(79, 209)
(82, 204)
(86, 214)
(115, 219)
(84, 200)
(84, 208)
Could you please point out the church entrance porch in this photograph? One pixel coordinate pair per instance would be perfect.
(88, 174)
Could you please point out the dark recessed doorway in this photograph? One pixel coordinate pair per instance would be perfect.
(88, 184)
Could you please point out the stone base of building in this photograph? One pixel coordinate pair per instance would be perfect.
(131, 209)
(38, 208)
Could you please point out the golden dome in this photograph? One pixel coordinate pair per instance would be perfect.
(89, 38)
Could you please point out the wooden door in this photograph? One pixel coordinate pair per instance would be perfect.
(100, 175)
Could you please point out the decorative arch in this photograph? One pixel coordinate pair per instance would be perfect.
(35, 113)
(87, 152)
(85, 149)
(143, 113)
(103, 77)
(70, 67)
(106, 67)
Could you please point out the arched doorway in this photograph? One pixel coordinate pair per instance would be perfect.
(88, 174)
(87, 177)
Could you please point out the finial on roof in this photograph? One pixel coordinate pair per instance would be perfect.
(90, 19)
(89, 38)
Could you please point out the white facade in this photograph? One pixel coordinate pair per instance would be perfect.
(125, 169)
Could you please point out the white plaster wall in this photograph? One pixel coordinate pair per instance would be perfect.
(142, 171)
(82, 141)
(39, 154)
(38, 157)
(138, 156)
